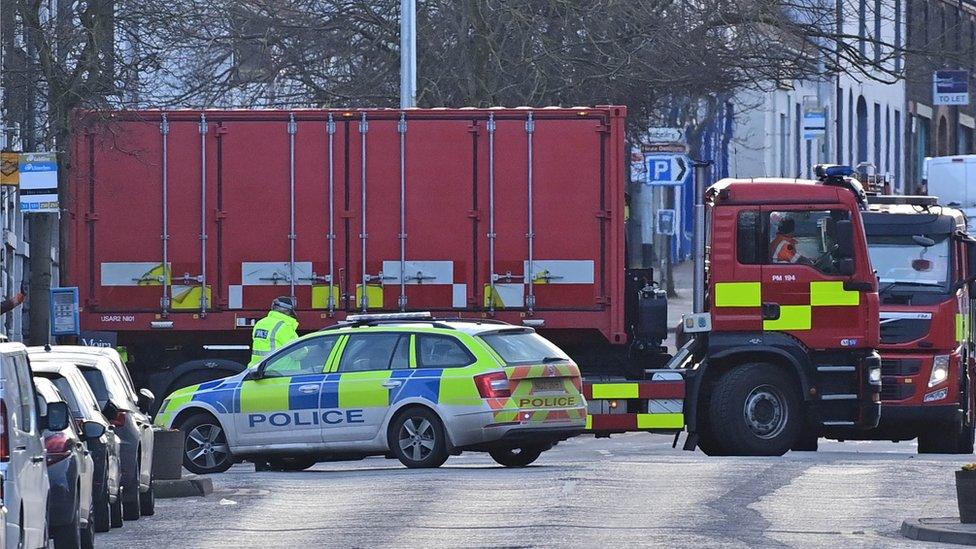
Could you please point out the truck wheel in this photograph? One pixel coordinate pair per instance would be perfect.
(205, 445)
(417, 439)
(291, 463)
(515, 457)
(951, 438)
(755, 411)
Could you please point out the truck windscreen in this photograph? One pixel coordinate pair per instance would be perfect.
(900, 259)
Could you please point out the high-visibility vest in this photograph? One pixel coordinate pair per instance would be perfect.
(271, 333)
(783, 249)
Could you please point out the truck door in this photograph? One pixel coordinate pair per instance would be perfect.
(803, 289)
(736, 256)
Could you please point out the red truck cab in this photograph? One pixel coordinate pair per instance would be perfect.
(923, 257)
(793, 304)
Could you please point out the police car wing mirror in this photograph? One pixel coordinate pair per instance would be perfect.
(844, 231)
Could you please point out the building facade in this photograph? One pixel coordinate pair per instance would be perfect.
(941, 36)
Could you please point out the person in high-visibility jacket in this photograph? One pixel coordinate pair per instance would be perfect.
(274, 331)
(783, 248)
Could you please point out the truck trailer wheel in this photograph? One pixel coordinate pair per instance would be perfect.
(754, 410)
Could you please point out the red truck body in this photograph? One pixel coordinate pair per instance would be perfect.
(228, 193)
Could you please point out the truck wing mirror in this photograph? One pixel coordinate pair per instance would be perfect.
(844, 234)
(971, 266)
(845, 266)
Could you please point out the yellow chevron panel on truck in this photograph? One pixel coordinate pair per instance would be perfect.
(660, 421)
(832, 293)
(602, 391)
(738, 294)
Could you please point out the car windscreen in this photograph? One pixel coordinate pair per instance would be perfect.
(521, 347)
(899, 259)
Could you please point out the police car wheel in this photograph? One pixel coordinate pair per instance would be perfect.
(205, 445)
(515, 457)
(417, 439)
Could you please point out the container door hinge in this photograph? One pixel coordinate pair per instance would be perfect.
(603, 214)
(91, 216)
(603, 128)
(603, 300)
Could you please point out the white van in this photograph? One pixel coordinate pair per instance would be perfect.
(25, 482)
(953, 180)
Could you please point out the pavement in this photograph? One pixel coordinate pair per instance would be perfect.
(946, 529)
(629, 490)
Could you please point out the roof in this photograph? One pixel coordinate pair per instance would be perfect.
(58, 353)
(777, 190)
(51, 366)
(471, 327)
(905, 219)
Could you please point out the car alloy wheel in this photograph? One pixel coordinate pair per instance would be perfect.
(417, 438)
(207, 446)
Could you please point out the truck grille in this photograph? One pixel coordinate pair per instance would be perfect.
(901, 367)
(904, 330)
(892, 390)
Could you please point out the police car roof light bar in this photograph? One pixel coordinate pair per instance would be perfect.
(390, 316)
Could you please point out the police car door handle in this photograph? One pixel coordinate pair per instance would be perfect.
(392, 384)
(308, 389)
(770, 311)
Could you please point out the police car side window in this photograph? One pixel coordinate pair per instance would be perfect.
(306, 357)
(436, 351)
(368, 352)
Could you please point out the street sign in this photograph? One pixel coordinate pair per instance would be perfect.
(667, 169)
(37, 176)
(665, 135)
(665, 222)
(64, 311)
(673, 148)
(950, 88)
(814, 124)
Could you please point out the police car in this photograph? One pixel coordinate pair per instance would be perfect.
(405, 386)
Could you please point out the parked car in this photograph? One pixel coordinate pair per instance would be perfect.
(25, 481)
(105, 450)
(70, 470)
(126, 410)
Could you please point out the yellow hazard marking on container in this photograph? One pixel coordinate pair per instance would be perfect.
(188, 297)
(738, 294)
(961, 327)
(589, 422)
(832, 293)
(374, 296)
(493, 298)
(660, 421)
(791, 317)
(603, 391)
(320, 296)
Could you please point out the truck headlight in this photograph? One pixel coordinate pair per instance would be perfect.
(874, 375)
(940, 370)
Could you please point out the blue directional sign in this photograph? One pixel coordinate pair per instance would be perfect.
(667, 169)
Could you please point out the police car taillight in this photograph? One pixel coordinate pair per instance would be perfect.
(493, 385)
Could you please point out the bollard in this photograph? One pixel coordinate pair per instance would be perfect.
(966, 494)
(167, 455)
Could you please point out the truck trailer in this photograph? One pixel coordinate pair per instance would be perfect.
(185, 225)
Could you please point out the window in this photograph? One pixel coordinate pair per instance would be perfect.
(401, 355)
(789, 237)
(840, 125)
(441, 352)
(307, 356)
(748, 233)
(804, 237)
(25, 390)
(862, 26)
(877, 138)
(965, 138)
(877, 31)
(97, 384)
(797, 132)
(897, 36)
(516, 346)
(68, 394)
(896, 157)
(369, 352)
(783, 144)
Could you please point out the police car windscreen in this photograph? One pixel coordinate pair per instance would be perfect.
(523, 347)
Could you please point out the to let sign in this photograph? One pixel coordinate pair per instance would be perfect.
(950, 88)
